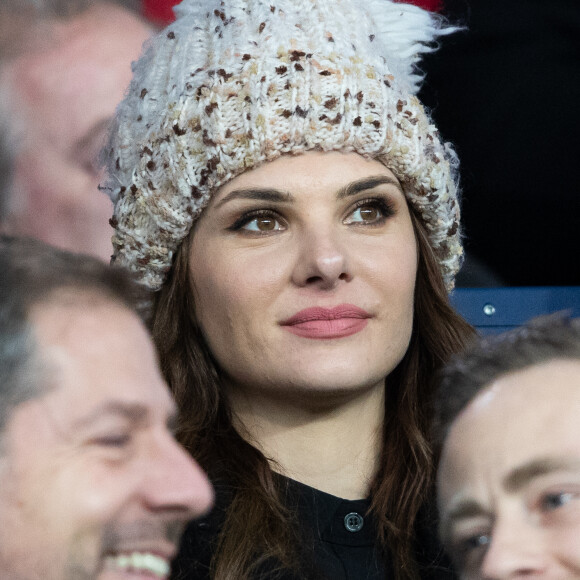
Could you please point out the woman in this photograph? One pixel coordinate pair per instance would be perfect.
(279, 187)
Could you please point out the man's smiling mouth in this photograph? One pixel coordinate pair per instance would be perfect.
(139, 562)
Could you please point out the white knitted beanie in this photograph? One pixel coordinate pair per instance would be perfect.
(233, 83)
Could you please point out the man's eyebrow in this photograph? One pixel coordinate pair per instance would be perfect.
(462, 510)
(519, 477)
(368, 183)
(133, 412)
(257, 193)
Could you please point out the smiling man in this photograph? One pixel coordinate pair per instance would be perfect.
(509, 476)
(92, 483)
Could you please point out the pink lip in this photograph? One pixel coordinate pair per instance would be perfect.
(326, 323)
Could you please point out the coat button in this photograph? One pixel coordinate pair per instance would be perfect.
(353, 522)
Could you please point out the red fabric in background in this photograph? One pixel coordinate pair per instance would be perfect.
(160, 11)
(431, 5)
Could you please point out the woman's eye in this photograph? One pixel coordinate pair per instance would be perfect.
(367, 214)
(263, 224)
(370, 212)
(552, 501)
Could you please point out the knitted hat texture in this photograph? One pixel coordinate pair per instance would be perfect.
(232, 84)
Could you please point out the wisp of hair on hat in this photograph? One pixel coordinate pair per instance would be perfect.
(234, 83)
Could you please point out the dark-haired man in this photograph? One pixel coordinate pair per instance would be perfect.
(509, 477)
(92, 483)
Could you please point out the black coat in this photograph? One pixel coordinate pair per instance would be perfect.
(329, 552)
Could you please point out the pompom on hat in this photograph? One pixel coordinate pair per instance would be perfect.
(234, 83)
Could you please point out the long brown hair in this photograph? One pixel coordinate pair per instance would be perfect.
(257, 522)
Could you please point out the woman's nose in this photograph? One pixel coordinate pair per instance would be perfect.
(322, 261)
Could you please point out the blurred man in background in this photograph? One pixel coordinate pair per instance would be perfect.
(64, 66)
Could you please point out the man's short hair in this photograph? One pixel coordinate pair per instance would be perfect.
(33, 273)
(543, 339)
(20, 18)
(60, 8)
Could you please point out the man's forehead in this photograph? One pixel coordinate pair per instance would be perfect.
(522, 418)
(525, 387)
(74, 312)
(99, 355)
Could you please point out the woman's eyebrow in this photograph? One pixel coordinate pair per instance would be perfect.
(261, 194)
(277, 195)
(367, 183)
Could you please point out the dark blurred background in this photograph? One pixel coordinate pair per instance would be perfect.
(506, 92)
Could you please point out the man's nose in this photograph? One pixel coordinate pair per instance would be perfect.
(516, 550)
(176, 483)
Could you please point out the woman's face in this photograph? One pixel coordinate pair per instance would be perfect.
(303, 272)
